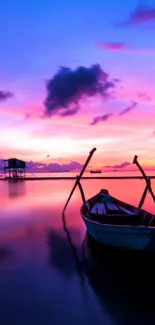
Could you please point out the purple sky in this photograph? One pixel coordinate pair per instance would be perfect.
(44, 111)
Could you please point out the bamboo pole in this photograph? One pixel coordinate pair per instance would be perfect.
(143, 197)
(81, 190)
(79, 177)
(147, 180)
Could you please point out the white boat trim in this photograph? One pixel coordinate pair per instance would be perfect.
(117, 226)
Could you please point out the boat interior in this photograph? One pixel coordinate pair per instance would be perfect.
(105, 209)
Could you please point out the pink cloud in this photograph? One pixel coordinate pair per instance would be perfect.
(144, 96)
(122, 47)
(107, 116)
(4, 95)
(118, 166)
(32, 166)
(98, 119)
(128, 109)
(54, 167)
(138, 87)
(142, 14)
(113, 46)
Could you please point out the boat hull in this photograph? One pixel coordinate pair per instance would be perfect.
(134, 238)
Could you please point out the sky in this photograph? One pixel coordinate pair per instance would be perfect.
(77, 75)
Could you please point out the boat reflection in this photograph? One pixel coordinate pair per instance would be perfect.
(123, 282)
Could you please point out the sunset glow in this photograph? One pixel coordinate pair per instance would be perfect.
(43, 38)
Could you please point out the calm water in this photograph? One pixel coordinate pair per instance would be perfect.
(50, 271)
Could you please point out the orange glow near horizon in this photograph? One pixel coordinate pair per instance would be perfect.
(28, 136)
(116, 140)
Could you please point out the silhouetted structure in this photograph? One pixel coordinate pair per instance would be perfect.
(14, 168)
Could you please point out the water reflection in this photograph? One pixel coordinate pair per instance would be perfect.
(79, 270)
(4, 253)
(47, 280)
(59, 253)
(61, 250)
(16, 188)
(123, 282)
(73, 247)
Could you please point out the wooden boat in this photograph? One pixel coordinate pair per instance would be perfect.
(116, 223)
(98, 171)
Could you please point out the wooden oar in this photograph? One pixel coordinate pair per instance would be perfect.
(147, 180)
(79, 177)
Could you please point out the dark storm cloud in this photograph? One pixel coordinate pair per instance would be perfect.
(68, 87)
(71, 111)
